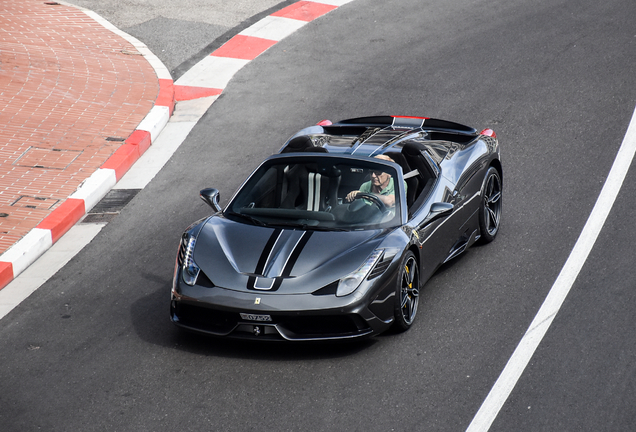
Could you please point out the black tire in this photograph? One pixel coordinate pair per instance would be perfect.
(490, 207)
(407, 292)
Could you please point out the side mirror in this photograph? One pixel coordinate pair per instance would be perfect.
(211, 197)
(439, 210)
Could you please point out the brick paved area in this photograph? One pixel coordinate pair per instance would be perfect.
(70, 92)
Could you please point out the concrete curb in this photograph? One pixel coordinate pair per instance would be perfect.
(207, 78)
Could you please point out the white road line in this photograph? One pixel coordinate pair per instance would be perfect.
(542, 321)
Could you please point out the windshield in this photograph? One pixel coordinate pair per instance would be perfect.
(320, 193)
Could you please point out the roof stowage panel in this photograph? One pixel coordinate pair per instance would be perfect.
(382, 137)
(335, 143)
(410, 122)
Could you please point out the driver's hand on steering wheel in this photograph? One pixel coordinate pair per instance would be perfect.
(352, 195)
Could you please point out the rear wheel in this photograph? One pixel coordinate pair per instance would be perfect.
(408, 292)
(490, 208)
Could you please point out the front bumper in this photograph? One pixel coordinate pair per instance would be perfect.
(294, 317)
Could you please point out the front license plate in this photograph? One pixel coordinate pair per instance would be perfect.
(255, 317)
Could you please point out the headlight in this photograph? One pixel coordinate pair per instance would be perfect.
(189, 269)
(352, 281)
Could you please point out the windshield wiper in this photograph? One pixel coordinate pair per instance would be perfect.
(248, 218)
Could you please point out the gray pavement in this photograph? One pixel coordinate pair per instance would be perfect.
(178, 31)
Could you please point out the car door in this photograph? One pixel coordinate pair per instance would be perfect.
(465, 170)
(435, 235)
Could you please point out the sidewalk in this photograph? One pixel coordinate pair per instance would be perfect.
(81, 102)
(72, 93)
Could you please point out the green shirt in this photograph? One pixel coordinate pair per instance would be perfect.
(366, 187)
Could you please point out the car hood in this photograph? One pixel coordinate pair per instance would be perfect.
(251, 258)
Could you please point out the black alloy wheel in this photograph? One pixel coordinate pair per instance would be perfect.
(408, 292)
(490, 208)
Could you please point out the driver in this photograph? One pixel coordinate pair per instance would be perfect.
(381, 184)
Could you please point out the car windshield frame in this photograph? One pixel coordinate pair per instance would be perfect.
(309, 191)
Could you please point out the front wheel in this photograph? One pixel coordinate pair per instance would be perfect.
(407, 292)
(490, 207)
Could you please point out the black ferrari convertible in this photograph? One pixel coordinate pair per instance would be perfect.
(334, 237)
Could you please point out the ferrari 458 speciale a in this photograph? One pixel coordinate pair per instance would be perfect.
(335, 236)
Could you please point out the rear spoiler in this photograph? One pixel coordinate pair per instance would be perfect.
(411, 122)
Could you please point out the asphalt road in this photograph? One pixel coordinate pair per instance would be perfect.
(184, 31)
(93, 349)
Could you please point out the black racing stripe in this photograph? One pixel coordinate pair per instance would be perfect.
(262, 260)
(277, 282)
(292, 260)
(267, 250)
(251, 281)
(296, 253)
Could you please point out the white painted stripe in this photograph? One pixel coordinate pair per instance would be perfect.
(542, 321)
(28, 249)
(273, 28)
(155, 121)
(41, 270)
(332, 2)
(264, 280)
(212, 72)
(95, 187)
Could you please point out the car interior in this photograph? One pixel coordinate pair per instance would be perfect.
(313, 192)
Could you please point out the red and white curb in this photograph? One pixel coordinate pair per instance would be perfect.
(161, 132)
(211, 75)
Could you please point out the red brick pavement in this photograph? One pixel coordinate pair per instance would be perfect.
(70, 92)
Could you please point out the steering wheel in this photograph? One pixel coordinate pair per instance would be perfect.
(374, 199)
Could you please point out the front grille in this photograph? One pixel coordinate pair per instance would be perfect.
(293, 326)
(323, 325)
(206, 319)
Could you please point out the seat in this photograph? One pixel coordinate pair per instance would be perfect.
(413, 153)
(309, 188)
(412, 182)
